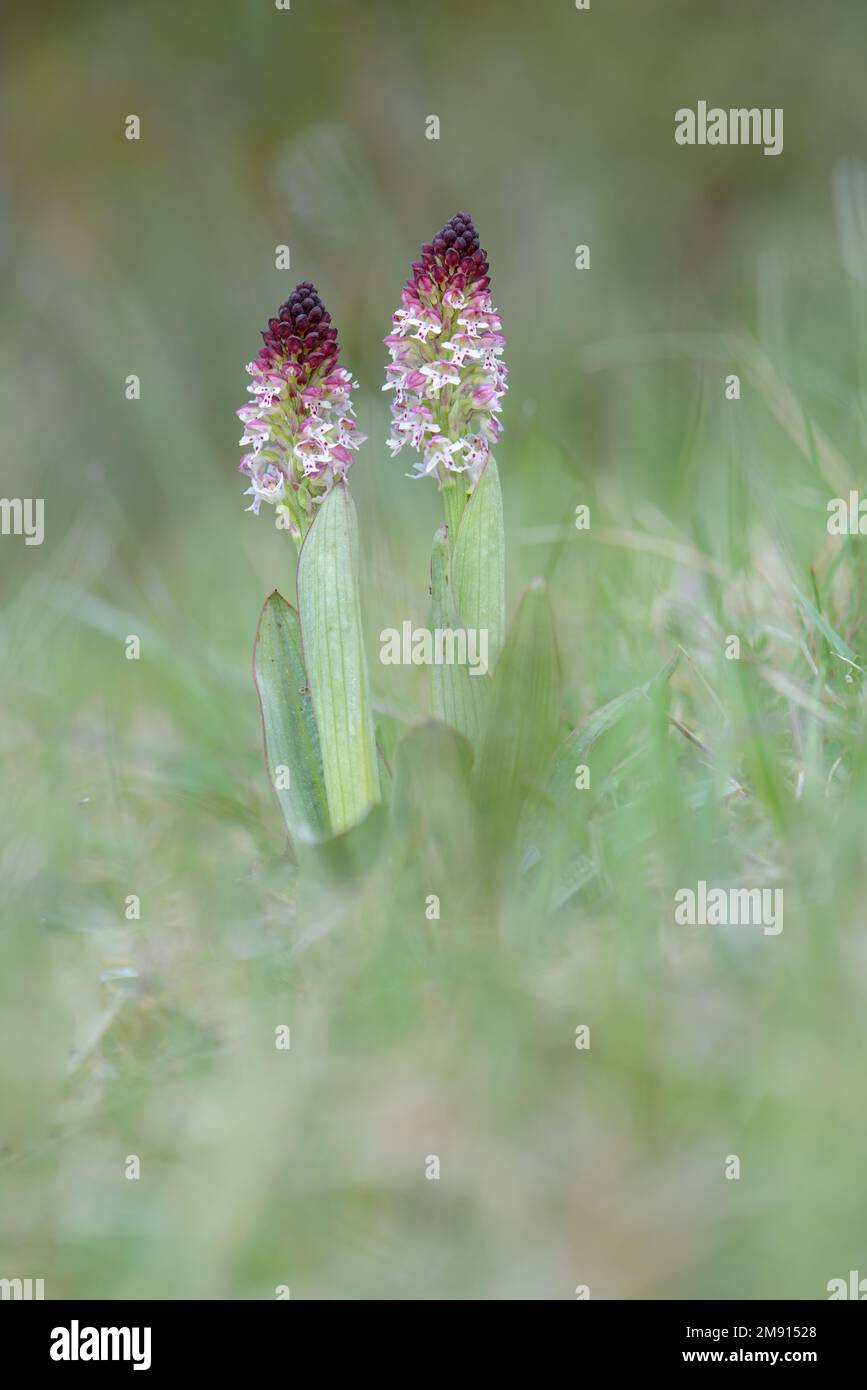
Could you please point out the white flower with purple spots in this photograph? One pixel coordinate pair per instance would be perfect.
(300, 423)
(446, 369)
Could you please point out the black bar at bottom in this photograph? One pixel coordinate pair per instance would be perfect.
(156, 1338)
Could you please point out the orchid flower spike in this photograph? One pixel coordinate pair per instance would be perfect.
(300, 423)
(446, 368)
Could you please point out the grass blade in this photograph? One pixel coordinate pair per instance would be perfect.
(833, 638)
(577, 744)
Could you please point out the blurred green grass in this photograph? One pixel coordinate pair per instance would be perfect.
(411, 1037)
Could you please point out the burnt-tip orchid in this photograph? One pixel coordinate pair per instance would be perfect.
(446, 369)
(300, 424)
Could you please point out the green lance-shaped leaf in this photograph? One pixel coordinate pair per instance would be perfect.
(479, 564)
(330, 610)
(458, 694)
(291, 738)
(524, 712)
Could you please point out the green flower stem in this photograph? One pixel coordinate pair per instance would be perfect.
(455, 502)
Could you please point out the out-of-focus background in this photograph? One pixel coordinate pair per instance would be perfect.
(154, 1037)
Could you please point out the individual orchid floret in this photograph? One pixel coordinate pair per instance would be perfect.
(446, 368)
(300, 424)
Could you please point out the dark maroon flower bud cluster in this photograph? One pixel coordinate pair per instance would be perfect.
(452, 260)
(301, 332)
